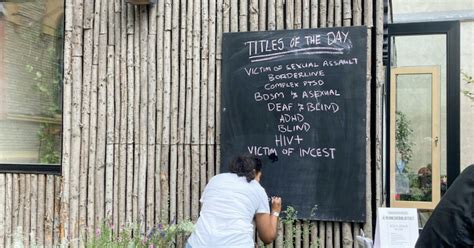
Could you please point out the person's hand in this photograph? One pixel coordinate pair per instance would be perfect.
(276, 204)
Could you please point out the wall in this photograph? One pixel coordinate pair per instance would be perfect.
(141, 100)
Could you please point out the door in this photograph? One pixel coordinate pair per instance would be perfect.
(415, 132)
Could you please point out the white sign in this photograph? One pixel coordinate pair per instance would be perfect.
(396, 228)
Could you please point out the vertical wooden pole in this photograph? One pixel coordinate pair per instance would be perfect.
(262, 15)
(297, 234)
(330, 10)
(164, 175)
(279, 15)
(380, 79)
(174, 108)
(67, 94)
(41, 210)
(290, 14)
(181, 187)
(329, 234)
(222, 14)
(2, 209)
(234, 16)
(136, 114)
(253, 15)
(15, 202)
(306, 234)
(298, 22)
(49, 211)
(57, 210)
(101, 118)
(204, 93)
(279, 240)
(91, 185)
(142, 168)
(271, 15)
(129, 213)
(117, 114)
(243, 15)
(288, 232)
(337, 234)
(355, 232)
(27, 210)
(159, 105)
(306, 14)
(315, 13)
(88, 46)
(123, 139)
(109, 151)
(211, 88)
(195, 109)
(322, 233)
(323, 12)
(357, 12)
(368, 180)
(188, 109)
(151, 139)
(181, 160)
(8, 208)
(346, 12)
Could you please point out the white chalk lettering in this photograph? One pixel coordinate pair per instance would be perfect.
(294, 128)
(283, 140)
(323, 107)
(262, 150)
(318, 152)
(279, 107)
(319, 93)
(268, 96)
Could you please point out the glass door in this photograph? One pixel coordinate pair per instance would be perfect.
(415, 136)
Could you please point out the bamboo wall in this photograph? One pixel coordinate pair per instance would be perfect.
(141, 120)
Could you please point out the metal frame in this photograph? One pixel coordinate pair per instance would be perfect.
(452, 31)
(38, 168)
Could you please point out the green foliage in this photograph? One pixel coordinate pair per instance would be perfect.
(469, 81)
(49, 144)
(290, 216)
(402, 137)
(162, 236)
(417, 191)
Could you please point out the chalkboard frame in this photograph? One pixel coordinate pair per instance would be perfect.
(224, 157)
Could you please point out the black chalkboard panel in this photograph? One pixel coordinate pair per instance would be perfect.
(297, 99)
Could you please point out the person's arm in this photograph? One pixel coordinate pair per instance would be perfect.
(267, 223)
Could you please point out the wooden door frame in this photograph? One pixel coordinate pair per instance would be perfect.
(434, 71)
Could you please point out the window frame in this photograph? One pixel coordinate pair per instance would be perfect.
(42, 168)
(453, 70)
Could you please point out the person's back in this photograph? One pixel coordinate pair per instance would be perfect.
(229, 205)
(452, 221)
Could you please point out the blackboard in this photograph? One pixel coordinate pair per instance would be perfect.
(297, 99)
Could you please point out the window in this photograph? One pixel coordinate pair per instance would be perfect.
(422, 107)
(31, 58)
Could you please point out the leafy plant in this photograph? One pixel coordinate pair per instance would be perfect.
(162, 236)
(402, 137)
(469, 81)
(49, 143)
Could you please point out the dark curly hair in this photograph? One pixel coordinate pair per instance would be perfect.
(245, 166)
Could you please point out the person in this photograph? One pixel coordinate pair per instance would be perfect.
(452, 221)
(230, 203)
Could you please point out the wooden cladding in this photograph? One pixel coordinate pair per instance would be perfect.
(141, 113)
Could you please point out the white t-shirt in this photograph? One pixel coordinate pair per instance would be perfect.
(229, 205)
